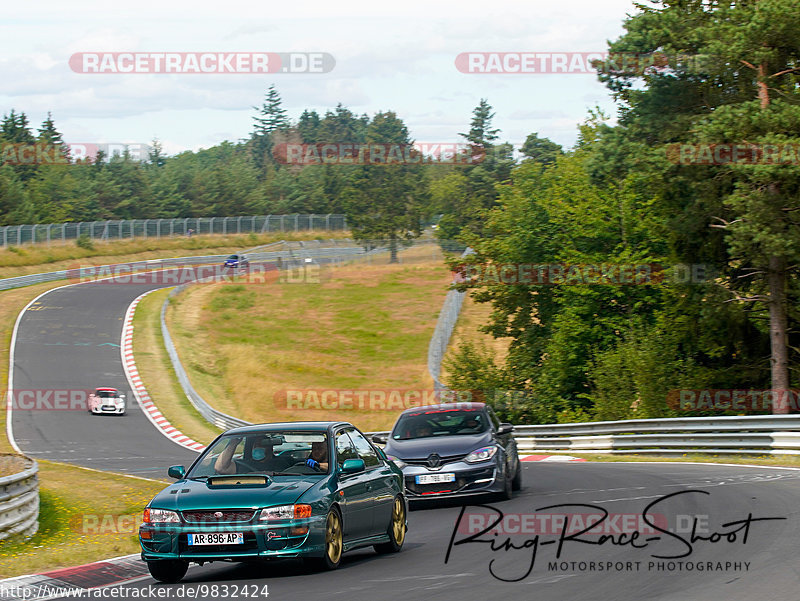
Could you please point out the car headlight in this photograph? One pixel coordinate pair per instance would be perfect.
(397, 461)
(160, 516)
(285, 512)
(482, 454)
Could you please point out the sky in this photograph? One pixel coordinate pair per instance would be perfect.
(388, 56)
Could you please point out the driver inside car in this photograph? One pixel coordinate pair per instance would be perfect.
(319, 457)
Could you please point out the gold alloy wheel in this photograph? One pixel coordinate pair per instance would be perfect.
(398, 521)
(333, 537)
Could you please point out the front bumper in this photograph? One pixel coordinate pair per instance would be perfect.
(470, 479)
(109, 409)
(261, 540)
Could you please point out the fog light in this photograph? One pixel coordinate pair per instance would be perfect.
(298, 531)
(146, 535)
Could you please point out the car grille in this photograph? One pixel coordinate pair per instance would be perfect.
(443, 460)
(228, 515)
(250, 544)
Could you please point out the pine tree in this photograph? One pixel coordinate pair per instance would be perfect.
(49, 135)
(481, 132)
(156, 155)
(271, 118)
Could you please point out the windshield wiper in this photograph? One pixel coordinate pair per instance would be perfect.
(199, 478)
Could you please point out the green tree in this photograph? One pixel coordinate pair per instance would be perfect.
(385, 202)
(733, 79)
(541, 150)
(270, 118)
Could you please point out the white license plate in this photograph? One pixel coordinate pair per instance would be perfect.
(217, 538)
(435, 478)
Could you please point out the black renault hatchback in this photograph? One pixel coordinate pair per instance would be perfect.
(454, 449)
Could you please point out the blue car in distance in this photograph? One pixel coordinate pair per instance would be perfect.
(237, 261)
(311, 490)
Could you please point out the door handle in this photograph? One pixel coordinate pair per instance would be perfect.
(369, 487)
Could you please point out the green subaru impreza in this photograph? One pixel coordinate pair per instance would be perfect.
(312, 490)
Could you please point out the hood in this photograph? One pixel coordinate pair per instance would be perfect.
(186, 495)
(420, 448)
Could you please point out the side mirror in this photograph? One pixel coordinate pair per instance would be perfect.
(176, 471)
(353, 466)
(505, 429)
(380, 438)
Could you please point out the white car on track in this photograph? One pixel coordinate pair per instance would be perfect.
(106, 400)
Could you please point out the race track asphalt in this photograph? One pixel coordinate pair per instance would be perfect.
(419, 571)
(69, 341)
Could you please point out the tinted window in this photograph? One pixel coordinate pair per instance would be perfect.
(344, 448)
(364, 449)
(447, 422)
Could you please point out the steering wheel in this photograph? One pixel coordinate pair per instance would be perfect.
(304, 464)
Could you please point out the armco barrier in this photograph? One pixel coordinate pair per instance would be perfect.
(19, 502)
(445, 325)
(754, 434)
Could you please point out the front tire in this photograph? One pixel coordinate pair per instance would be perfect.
(396, 529)
(516, 483)
(506, 493)
(168, 571)
(334, 544)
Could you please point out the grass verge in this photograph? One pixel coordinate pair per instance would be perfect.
(362, 327)
(84, 516)
(473, 315)
(157, 374)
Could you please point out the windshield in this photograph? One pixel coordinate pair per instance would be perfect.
(233, 258)
(447, 422)
(287, 452)
(106, 394)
